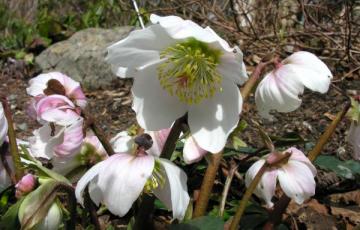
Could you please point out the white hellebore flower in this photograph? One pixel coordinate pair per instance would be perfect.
(296, 178)
(120, 179)
(178, 68)
(3, 125)
(280, 89)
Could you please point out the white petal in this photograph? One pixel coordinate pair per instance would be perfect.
(155, 108)
(87, 178)
(122, 142)
(212, 121)
(297, 155)
(267, 185)
(232, 67)
(192, 151)
(310, 70)
(42, 144)
(174, 194)
(279, 91)
(297, 181)
(354, 138)
(123, 180)
(3, 125)
(180, 29)
(138, 49)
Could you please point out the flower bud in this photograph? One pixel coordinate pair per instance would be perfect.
(25, 185)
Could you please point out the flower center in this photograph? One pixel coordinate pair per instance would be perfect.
(189, 71)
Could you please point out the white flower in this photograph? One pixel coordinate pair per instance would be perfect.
(178, 68)
(3, 125)
(296, 178)
(354, 139)
(119, 180)
(280, 89)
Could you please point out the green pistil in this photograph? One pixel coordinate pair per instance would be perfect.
(156, 179)
(189, 71)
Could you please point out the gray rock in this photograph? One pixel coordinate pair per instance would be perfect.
(82, 56)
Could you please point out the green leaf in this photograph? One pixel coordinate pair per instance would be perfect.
(37, 203)
(36, 165)
(354, 111)
(346, 169)
(10, 220)
(238, 143)
(201, 223)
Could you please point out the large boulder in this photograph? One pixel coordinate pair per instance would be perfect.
(82, 56)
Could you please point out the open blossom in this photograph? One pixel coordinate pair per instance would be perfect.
(182, 68)
(296, 178)
(354, 139)
(57, 83)
(120, 179)
(280, 89)
(57, 141)
(3, 125)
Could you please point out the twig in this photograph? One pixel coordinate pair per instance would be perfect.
(19, 171)
(227, 185)
(98, 132)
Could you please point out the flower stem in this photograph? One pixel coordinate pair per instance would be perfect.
(19, 171)
(210, 174)
(171, 140)
(89, 205)
(240, 211)
(207, 185)
(98, 132)
(229, 178)
(280, 207)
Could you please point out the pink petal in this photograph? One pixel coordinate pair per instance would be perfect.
(192, 151)
(159, 139)
(297, 181)
(297, 155)
(94, 141)
(73, 138)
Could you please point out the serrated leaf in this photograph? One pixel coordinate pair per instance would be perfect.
(37, 203)
(10, 220)
(201, 223)
(346, 169)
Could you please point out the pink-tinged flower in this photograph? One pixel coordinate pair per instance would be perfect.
(57, 141)
(57, 109)
(5, 180)
(280, 89)
(182, 68)
(71, 88)
(296, 178)
(354, 139)
(96, 144)
(25, 185)
(119, 180)
(3, 125)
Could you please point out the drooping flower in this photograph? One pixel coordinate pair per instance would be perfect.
(25, 185)
(296, 178)
(182, 68)
(57, 141)
(57, 83)
(57, 109)
(120, 179)
(280, 89)
(3, 125)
